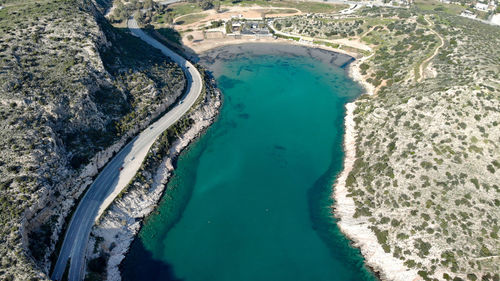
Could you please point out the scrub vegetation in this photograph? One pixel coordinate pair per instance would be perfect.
(120, 222)
(427, 172)
(71, 86)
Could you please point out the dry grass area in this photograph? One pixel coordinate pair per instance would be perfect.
(434, 5)
(303, 6)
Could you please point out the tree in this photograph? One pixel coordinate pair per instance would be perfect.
(119, 5)
(148, 4)
(138, 17)
(118, 12)
(147, 16)
(206, 4)
(168, 18)
(123, 15)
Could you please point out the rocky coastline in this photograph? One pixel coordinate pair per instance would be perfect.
(385, 266)
(120, 223)
(119, 226)
(357, 229)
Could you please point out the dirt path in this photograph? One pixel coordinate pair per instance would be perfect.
(484, 258)
(366, 32)
(425, 63)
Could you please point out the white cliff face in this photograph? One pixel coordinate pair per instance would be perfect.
(357, 228)
(122, 221)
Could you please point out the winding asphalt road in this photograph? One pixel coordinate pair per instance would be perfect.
(121, 169)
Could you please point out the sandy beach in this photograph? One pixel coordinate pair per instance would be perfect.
(213, 57)
(208, 44)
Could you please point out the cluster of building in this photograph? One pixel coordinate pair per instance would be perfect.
(483, 6)
(468, 14)
(486, 7)
(240, 27)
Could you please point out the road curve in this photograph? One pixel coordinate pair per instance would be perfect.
(121, 169)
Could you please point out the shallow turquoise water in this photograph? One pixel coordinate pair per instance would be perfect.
(252, 195)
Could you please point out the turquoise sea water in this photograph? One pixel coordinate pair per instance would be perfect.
(250, 200)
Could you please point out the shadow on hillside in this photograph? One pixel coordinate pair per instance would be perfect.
(171, 38)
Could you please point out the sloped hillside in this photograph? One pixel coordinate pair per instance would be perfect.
(425, 181)
(426, 178)
(73, 89)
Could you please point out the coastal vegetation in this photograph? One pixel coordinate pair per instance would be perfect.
(121, 219)
(425, 178)
(71, 86)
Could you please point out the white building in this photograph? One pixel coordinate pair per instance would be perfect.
(492, 6)
(468, 14)
(481, 7)
(485, 7)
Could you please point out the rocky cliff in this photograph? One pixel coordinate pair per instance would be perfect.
(73, 90)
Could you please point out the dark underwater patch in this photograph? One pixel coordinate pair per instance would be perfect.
(227, 83)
